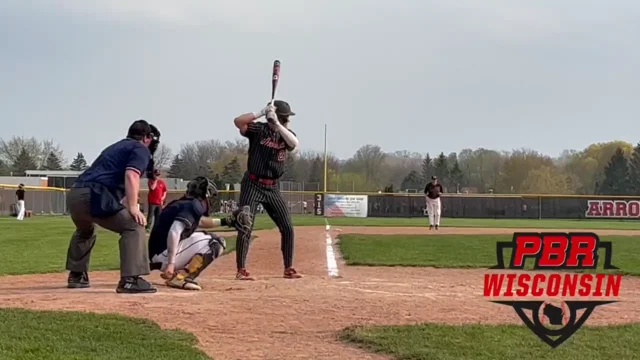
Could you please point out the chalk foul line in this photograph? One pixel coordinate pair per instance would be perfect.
(332, 264)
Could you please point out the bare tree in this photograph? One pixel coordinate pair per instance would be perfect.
(36, 149)
(368, 160)
(397, 165)
(163, 157)
(198, 157)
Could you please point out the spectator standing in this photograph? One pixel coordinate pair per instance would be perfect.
(155, 198)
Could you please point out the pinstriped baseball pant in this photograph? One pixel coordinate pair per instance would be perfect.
(251, 194)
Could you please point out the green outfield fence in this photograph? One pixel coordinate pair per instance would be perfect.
(45, 200)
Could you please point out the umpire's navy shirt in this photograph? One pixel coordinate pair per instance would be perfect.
(187, 210)
(109, 168)
(267, 151)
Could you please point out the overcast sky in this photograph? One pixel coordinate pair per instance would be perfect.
(426, 76)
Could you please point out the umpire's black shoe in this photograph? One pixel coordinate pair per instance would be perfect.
(78, 280)
(134, 285)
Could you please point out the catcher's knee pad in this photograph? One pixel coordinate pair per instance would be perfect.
(217, 244)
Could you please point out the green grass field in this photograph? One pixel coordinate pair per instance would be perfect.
(36, 335)
(486, 342)
(458, 251)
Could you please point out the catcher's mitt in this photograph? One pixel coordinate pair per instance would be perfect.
(241, 219)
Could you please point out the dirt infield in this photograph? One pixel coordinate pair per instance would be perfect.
(274, 318)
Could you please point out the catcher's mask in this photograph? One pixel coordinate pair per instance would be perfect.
(155, 133)
(203, 189)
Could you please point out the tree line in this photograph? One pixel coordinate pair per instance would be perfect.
(609, 168)
(20, 154)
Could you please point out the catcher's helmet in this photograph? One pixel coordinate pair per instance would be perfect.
(202, 188)
(155, 133)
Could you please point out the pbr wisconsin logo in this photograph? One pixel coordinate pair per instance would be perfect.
(555, 303)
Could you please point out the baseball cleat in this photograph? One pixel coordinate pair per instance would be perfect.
(430, 227)
(135, 285)
(179, 281)
(78, 280)
(291, 273)
(243, 274)
(436, 227)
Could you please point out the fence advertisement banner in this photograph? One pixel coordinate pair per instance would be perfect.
(626, 209)
(346, 205)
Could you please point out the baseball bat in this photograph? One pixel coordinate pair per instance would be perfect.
(274, 80)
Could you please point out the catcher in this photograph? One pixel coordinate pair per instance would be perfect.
(177, 244)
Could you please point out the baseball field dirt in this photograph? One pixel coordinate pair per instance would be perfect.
(275, 318)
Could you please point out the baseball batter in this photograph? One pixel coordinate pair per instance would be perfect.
(178, 247)
(268, 146)
(432, 196)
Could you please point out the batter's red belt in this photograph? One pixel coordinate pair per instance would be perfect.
(262, 181)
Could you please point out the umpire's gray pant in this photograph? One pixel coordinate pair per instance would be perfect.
(134, 258)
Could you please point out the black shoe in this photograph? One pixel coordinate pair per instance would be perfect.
(78, 280)
(135, 285)
(430, 227)
(436, 227)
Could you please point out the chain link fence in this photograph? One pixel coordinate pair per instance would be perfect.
(53, 201)
(300, 200)
(40, 201)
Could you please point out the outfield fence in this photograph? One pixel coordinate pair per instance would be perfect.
(53, 201)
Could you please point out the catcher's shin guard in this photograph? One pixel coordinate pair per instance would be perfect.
(197, 264)
(186, 278)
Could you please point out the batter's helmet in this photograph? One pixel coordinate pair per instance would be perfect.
(283, 108)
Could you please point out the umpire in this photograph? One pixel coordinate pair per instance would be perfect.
(107, 194)
(268, 146)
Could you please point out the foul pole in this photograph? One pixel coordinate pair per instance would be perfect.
(324, 190)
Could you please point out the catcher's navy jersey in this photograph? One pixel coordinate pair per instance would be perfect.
(267, 151)
(186, 210)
